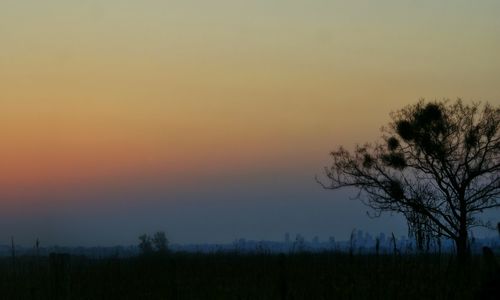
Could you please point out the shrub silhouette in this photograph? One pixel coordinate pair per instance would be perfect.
(160, 242)
(145, 245)
(156, 244)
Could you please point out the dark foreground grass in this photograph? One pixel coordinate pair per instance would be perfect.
(238, 276)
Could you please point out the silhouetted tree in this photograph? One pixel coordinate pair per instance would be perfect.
(160, 242)
(437, 163)
(145, 244)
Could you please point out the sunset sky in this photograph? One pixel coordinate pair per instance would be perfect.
(210, 119)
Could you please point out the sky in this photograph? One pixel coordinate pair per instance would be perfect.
(210, 119)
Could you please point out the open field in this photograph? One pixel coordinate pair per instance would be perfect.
(237, 276)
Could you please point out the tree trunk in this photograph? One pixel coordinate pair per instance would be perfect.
(462, 239)
(462, 253)
(461, 243)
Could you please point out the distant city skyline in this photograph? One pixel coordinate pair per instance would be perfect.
(359, 242)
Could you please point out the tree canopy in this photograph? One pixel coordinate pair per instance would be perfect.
(437, 163)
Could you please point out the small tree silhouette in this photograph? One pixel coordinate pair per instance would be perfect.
(145, 244)
(160, 242)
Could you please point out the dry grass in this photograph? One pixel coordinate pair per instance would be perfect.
(236, 276)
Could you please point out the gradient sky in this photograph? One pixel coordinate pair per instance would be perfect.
(210, 119)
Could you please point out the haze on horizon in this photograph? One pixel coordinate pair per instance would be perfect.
(210, 119)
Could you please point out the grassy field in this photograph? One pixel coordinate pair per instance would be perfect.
(242, 276)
